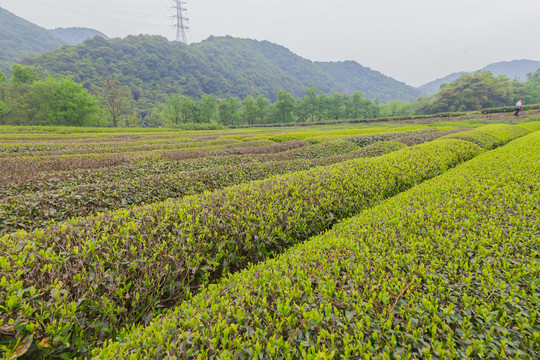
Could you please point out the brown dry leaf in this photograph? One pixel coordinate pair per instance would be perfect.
(45, 343)
(23, 347)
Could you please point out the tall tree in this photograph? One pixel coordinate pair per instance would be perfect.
(208, 108)
(284, 107)
(74, 104)
(532, 88)
(262, 108)
(311, 102)
(357, 104)
(173, 108)
(4, 110)
(188, 109)
(249, 110)
(3, 78)
(228, 111)
(115, 99)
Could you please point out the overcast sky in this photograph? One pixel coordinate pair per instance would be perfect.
(414, 41)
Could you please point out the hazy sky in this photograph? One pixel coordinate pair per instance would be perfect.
(414, 41)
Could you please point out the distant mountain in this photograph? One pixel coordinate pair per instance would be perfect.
(20, 38)
(434, 86)
(355, 77)
(515, 69)
(223, 66)
(76, 35)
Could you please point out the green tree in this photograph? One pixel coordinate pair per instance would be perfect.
(472, 92)
(188, 108)
(249, 110)
(311, 102)
(262, 108)
(228, 111)
(74, 104)
(4, 110)
(208, 108)
(114, 98)
(532, 88)
(357, 105)
(173, 108)
(284, 107)
(301, 110)
(336, 106)
(23, 74)
(44, 99)
(133, 120)
(3, 78)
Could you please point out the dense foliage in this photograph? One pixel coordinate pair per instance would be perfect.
(481, 90)
(85, 279)
(30, 101)
(446, 270)
(28, 98)
(221, 66)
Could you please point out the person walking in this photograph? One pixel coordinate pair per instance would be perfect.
(518, 108)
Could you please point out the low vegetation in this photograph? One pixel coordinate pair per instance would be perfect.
(68, 295)
(430, 273)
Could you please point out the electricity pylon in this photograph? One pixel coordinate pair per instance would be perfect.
(181, 21)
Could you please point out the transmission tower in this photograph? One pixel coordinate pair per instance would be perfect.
(181, 20)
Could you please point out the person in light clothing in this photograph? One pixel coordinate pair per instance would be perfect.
(518, 108)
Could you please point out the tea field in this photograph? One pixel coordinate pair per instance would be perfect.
(332, 242)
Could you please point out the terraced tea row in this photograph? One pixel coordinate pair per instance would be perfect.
(30, 181)
(28, 212)
(69, 287)
(446, 270)
(153, 165)
(21, 169)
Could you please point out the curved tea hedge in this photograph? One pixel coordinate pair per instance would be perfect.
(491, 136)
(30, 211)
(532, 125)
(448, 269)
(155, 165)
(66, 288)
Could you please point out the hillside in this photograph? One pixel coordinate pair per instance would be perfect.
(224, 66)
(20, 38)
(76, 35)
(434, 86)
(515, 69)
(355, 77)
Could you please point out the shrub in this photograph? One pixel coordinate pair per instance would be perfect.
(71, 286)
(491, 136)
(430, 273)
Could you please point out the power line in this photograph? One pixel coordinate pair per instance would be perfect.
(181, 21)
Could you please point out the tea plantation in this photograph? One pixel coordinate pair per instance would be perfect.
(357, 242)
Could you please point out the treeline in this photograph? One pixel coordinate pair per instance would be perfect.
(28, 99)
(471, 92)
(31, 97)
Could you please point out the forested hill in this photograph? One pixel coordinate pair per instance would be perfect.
(76, 35)
(515, 69)
(20, 38)
(355, 77)
(224, 66)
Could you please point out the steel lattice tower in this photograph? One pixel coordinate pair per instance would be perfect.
(181, 21)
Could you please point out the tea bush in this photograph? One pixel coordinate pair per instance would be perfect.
(491, 136)
(448, 269)
(66, 288)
